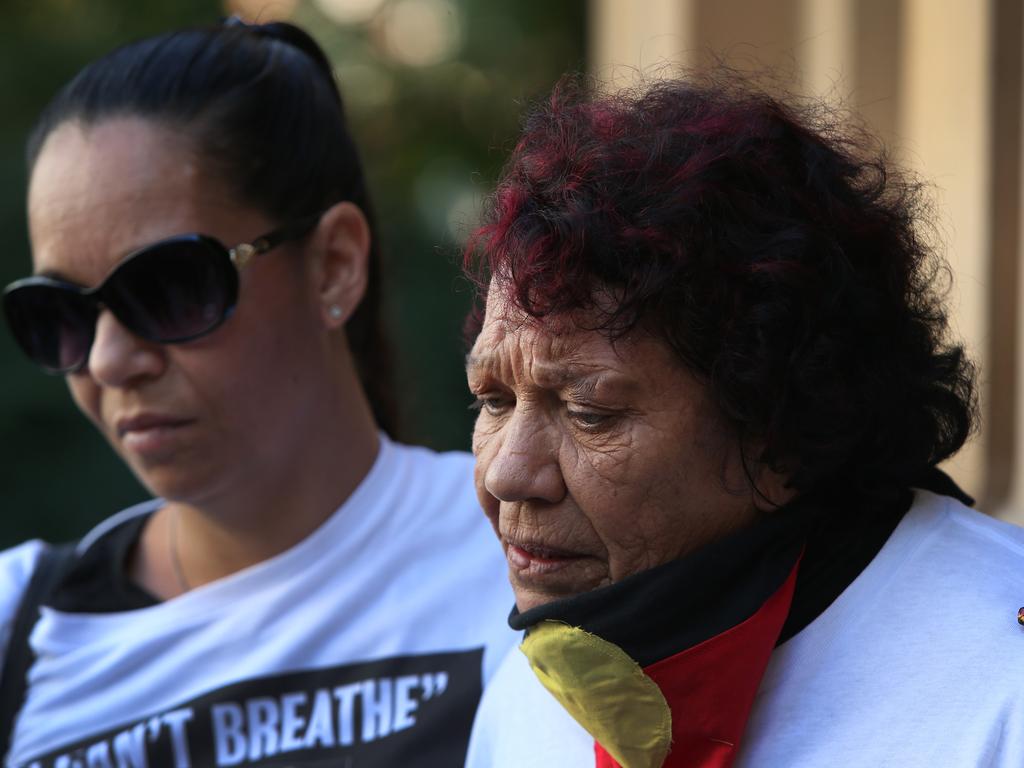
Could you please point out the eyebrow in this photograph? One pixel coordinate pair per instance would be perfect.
(584, 388)
(55, 274)
(580, 381)
(559, 372)
(121, 256)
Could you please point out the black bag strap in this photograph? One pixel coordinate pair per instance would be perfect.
(53, 562)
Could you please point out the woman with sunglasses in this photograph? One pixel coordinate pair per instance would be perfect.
(303, 591)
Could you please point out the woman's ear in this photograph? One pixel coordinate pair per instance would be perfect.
(773, 490)
(341, 269)
(769, 486)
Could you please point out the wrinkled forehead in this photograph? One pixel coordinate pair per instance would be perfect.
(502, 305)
(571, 355)
(553, 347)
(504, 318)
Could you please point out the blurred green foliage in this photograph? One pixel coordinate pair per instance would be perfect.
(433, 139)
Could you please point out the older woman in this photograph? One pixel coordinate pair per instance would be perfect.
(714, 383)
(206, 281)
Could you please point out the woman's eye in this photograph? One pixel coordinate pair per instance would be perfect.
(589, 419)
(490, 404)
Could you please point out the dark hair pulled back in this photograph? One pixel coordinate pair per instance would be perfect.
(260, 104)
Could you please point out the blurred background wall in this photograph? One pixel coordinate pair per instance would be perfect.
(434, 89)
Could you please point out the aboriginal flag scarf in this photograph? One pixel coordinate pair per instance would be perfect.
(662, 668)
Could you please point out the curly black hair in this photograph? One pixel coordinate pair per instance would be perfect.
(777, 252)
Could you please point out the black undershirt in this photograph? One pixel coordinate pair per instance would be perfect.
(99, 582)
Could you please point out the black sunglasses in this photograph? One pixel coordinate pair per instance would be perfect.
(172, 291)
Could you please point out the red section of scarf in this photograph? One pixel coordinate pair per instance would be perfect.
(710, 687)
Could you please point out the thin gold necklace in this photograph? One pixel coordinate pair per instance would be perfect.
(172, 537)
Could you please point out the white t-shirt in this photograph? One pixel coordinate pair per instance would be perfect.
(364, 645)
(919, 663)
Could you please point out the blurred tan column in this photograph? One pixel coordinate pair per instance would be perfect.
(945, 130)
(849, 54)
(826, 54)
(1008, 235)
(627, 36)
(878, 26)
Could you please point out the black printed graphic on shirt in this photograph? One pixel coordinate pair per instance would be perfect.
(404, 711)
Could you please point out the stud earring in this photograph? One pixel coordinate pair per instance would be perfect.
(335, 312)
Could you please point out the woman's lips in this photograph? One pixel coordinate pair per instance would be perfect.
(538, 558)
(540, 573)
(150, 434)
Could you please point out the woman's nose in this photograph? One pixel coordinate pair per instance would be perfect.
(524, 465)
(118, 356)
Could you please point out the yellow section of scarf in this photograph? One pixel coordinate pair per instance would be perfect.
(604, 690)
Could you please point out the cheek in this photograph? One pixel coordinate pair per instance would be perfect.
(602, 473)
(263, 368)
(611, 500)
(86, 394)
(483, 452)
(632, 496)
